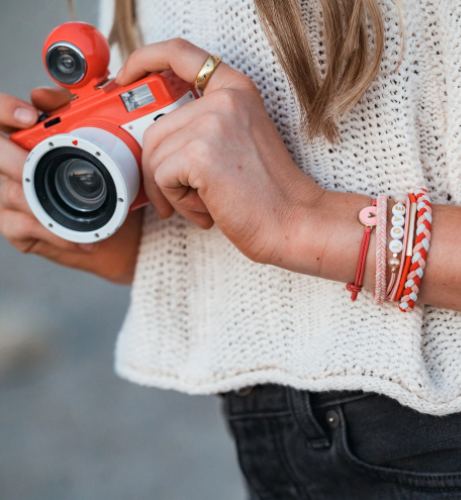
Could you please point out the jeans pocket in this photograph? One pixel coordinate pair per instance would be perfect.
(260, 423)
(382, 438)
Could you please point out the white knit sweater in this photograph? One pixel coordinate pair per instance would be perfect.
(204, 319)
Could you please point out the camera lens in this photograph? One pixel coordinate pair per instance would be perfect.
(75, 189)
(66, 63)
(80, 185)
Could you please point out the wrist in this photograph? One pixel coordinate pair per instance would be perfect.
(322, 222)
(290, 239)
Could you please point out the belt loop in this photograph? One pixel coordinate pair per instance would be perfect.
(302, 410)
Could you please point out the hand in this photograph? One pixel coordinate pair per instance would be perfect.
(220, 159)
(113, 259)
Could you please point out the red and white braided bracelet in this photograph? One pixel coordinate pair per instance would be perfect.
(420, 251)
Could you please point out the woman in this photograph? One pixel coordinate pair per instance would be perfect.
(317, 109)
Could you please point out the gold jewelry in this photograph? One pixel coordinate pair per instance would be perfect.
(207, 70)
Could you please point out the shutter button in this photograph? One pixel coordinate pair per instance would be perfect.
(332, 419)
(43, 117)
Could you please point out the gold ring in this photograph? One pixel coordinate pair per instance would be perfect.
(207, 70)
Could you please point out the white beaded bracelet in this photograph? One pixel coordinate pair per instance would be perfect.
(396, 244)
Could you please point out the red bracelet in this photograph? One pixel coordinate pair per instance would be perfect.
(368, 218)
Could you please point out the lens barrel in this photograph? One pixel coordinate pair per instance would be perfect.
(66, 63)
(75, 189)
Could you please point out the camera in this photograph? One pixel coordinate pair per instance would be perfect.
(83, 173)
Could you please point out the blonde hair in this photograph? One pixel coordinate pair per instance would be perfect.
(352, 62)
(125, 30)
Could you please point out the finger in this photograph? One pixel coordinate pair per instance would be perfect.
(12, 159)
(12, 197)
(189, 201)
(23, 231)
(51, 252)
(204, 221)
(49, 99)
(67, 258)
(159, 131)
(172, 150)
(204, 115)
(163, 135)
(172, 177)
(16, 113)
(163, 207)
(161, 141)
(170, 146)
(184, 58)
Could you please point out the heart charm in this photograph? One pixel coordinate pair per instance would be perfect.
(367, 216)
(75, 143)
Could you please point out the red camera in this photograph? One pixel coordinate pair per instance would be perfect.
(83, 174)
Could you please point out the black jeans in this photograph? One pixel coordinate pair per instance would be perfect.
(342, 445)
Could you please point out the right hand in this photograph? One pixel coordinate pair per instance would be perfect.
(113, 259)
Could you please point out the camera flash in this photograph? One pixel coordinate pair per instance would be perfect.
(137, 98)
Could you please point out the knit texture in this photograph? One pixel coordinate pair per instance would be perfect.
(204, 319)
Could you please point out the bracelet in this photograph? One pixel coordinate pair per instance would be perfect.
(409, 247)
(367, 217)
(420, 251)
(381, 240)
(401, 217)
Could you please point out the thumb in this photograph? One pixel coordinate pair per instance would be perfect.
(48, 99)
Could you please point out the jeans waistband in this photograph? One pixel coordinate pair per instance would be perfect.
(272, 398)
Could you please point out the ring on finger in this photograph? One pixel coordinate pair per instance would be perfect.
(206, 71)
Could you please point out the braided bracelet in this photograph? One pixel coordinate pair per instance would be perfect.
(381, 240)
(367, 217)
(420, 251)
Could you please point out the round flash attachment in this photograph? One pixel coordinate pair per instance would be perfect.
(66, 63)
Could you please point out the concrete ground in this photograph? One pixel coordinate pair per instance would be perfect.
(69, 428)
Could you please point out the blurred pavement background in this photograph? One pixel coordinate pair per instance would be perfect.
(69, 428)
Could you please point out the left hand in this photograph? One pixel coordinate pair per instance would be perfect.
(220, 159)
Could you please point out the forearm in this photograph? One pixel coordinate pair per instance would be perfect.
(325, 242)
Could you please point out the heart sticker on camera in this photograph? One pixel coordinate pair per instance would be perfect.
(75, 143)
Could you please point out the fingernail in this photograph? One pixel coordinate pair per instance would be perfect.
(88, 247)
(119, 74)
(25, 115)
